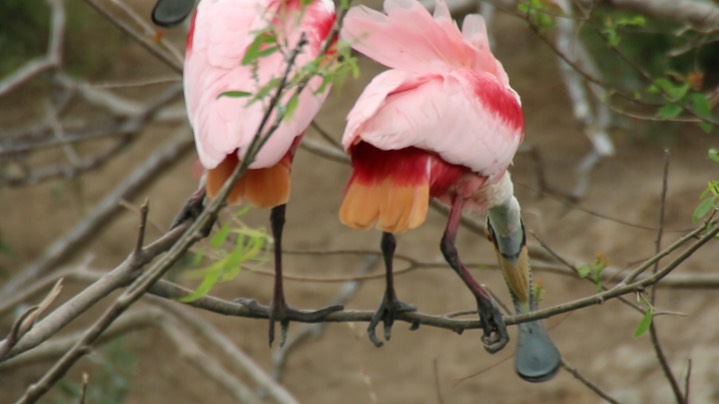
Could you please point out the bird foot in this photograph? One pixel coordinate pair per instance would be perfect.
(495, 335)
(283, 314)
(386, 312)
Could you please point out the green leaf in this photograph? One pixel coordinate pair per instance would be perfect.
(219, 238)
(254, 50)
(584, 271)
(265, 90)
(702, 209)
(635, 21)
(243, 210)
(205, 286)
(713, 155)
(610, 30)
(234, 94)
(645, 323)
(199, 255)
(706, 127)
(669, 111)
(292, 106)
(700, 103)
(674, 91)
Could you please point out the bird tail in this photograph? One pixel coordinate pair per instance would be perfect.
(393, 207)
(407, 36)
(537, 358)
(388, 188)
(260, 187)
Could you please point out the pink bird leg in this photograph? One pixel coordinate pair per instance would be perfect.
(224, 127)
(443, 122)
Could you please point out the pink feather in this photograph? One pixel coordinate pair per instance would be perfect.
(445, 93)
(222, 31)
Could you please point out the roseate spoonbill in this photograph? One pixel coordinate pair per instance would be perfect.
(220, 34)
(443, 122)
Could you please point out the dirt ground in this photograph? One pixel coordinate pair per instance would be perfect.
(425, 366)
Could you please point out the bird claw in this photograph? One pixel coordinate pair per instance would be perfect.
(386, 312)
(495, 335)
(283, 313)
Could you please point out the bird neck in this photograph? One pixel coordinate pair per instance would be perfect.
(506, 223)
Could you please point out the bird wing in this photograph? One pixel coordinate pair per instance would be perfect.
(407, 37)
(468, 118)
(221, 33)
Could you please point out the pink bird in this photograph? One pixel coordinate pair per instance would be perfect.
(443, 122)
(220, 34)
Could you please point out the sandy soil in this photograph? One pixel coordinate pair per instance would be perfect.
(424, 365)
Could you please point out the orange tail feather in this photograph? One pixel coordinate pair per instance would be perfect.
(393, 207)
(261, 187)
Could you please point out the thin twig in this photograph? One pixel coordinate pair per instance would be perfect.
(592, 386)
(656, 344)
(295, 339)
(105, 210)
(51, 60)
(167, 58)
(228, 349)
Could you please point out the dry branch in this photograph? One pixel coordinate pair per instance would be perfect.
(144, 174)
(51, 60)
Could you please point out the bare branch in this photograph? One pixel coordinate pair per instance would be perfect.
(168, 58)
(592, 386)
(27, 320)
(143, 175)
(296, 338)
(193, 353)
(654, 336)
(700, 15)
(51, 60)
(229, 350)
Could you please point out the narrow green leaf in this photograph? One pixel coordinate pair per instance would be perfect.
(199, 255)
(713, 155)
(234, 94)
(702, 209)
(205, 286)
(254, 50)
(292, 106)
(700, 103)
(669, 111)
(714, 188)
(219, 238)
(265, 90)
(635, 21)
(584, 271)
(645, 323)
(706, 127)
(267, 51)
(243, 210)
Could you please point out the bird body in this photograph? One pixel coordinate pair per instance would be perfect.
(446, 97)
(220, 34)
(442, 122)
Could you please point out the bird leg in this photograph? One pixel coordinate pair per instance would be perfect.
(495, 331)
(390, 305)
(536, 359)
(279, 310)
